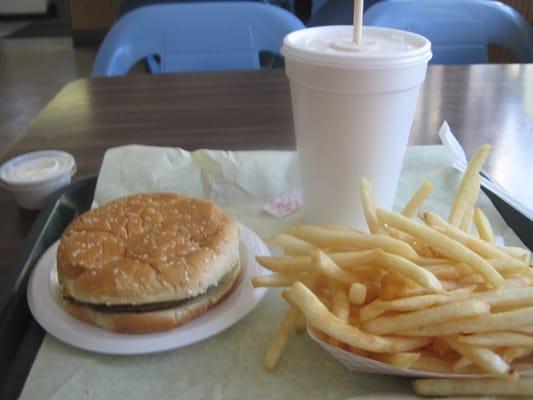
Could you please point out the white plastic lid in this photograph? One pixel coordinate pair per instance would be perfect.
(333, 46)
(36, 168)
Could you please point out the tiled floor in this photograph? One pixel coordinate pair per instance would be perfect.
(31, 73)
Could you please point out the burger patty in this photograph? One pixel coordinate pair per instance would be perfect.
(157, 306)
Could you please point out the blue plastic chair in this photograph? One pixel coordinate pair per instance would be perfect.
(459, 30)
(153, 64)
(195, 37)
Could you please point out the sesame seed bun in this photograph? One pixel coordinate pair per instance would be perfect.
(147, 262)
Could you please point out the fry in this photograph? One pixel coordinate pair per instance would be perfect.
(368, 202)
(517, 282)
(279, 340)
(286, 264)
(429, 316)
(483, 226)
(430, 363)
(528, 330)
(484, 358)
(398, 360)
(522, 296)
(504, 321)
(468, 219)
(444, 271)
(416, 201)
(339, 301)
(357, 293)
(473, 387)
(512, 353)
(444, 244)
(425, 261)
(516, 252)
(290, 244)
(468, 216)
(462, 363)
(509, 265)
(276, 280)
(301, 322)
(327, 238)
(354, 259)
(497, 339)
(322, 319)
(479, 246)
(467, 185)
(304, 263)
(410, 270)
(326, 266)
(413, 303)
(394, 286)
(420, 247)
(440, 347)
(369, 273)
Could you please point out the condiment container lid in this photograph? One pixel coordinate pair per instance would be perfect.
(37, 168)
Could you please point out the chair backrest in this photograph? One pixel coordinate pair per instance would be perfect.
(195, 37)
(459, 30)
(334, 12)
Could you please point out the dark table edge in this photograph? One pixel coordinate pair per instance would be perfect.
(20, 334)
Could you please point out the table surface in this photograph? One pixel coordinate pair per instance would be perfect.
(251, 110)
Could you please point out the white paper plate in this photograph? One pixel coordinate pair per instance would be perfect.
(44, 303)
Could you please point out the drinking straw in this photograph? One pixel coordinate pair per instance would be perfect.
(358, 21)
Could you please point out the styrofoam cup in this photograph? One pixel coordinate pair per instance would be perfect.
(353, 107)
(33, 177)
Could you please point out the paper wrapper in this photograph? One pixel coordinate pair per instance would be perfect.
(366, 365)
(229, 365)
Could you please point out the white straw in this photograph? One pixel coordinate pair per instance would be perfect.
(358, 21)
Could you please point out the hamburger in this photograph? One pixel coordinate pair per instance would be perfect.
(148, 262)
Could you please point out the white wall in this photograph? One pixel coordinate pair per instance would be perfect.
(22, 6)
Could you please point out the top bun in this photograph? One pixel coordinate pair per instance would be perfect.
(146, 248)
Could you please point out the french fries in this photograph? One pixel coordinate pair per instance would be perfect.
(368, 201)
(473, 387)
(422, 295)
(276, 280)
(498, 339)
(320, 317)
(481, 247)
(357, 293)
(444, 244)
(329, 238)
(279, 340)
(414, 204)
(483, 226)
(485, 358)
(398, 360)
(502, 321)
(429, 316)
(468, 188)
(378, 307)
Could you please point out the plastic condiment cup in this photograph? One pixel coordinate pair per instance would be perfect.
(33, 177)
(353, 107)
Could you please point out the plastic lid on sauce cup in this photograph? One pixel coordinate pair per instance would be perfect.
(36, 168)
(33, 177)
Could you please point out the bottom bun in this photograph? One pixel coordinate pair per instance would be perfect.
(155, 321)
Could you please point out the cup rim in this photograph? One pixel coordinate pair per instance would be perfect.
(292, 49)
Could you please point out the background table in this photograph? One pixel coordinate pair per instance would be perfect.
(251, 110)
